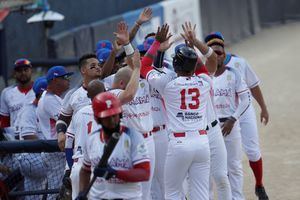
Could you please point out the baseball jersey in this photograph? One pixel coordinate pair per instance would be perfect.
(129, 151)
(82, 124)
(244, 68)
(158, 109)
(185, 99)
(12, 100)
(227, 86)
(48, 112)
(137, 113)
(29, 122)
(74, 100)
(108, 81)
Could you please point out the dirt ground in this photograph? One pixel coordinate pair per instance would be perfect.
(274, 54)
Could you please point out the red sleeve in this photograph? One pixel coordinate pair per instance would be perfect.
(139, 172)
(147, 60)
(4, 121)
(201, 70)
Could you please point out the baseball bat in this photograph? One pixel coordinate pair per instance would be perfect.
(108, 149)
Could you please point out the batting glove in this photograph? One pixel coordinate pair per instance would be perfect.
(105, 172)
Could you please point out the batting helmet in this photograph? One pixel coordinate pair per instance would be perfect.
(106, 104)
(185, 59)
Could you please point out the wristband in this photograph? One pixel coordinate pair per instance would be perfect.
(209, 52)
(232, 119)
(128, 49)
(61, 126)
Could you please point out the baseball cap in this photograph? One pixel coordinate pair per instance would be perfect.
(214, 38)
(40, 85)
(22, 62)
(57, 71)
(103, 44)
(146, 45)
(103, 54)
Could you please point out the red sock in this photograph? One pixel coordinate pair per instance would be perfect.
(257, 168)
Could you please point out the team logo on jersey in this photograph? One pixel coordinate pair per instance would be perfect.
(141, 148)
(189, 116)
(237, 65)
(229, 77)
(180, 115)
(142, 85)
(126, 144)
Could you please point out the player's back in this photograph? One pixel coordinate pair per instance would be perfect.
(185, 100)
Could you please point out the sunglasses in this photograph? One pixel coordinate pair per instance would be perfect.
(65, 77)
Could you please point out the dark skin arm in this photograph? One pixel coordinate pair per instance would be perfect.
(84, 177)
(61, 137)
(258, 96)
(145, 16)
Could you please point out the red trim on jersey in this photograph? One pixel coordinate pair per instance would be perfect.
(201, 70)
(147, 60)
(139, 172)
(4, 121)
(25, 90)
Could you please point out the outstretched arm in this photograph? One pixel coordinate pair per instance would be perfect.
(145, 16)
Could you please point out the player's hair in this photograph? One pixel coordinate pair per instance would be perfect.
(150, 35)
(83, 58)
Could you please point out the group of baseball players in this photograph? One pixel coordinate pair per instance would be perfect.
(182, 125)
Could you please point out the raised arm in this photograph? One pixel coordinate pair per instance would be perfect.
(190, 36)
(145, 16)
(135, 63)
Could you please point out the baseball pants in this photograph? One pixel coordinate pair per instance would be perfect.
(249, 133)
(75, 177)
(55, 166)
(146, 186)
(233, 145)
(34, 172)
(161, 147)
(188, 155)
(218, 165)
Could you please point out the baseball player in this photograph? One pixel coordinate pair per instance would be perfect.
(188, 149)
(77, 98)
(14, 97)
(231, 100)
(129, 162)
(81, 126)
(31, 165)
(47, 112)
(249, 133)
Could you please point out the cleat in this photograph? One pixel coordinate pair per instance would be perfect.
(261, 193)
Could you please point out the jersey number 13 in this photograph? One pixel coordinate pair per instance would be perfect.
(195, 101)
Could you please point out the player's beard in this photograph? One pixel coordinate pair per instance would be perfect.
(24, 80)
(109, 131)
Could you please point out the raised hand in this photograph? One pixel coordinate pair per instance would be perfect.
(122, 35)
(166, 44)
(145, 16)
(162, 33)
(116, 46)
(189, 32)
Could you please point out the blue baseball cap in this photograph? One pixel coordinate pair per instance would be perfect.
(103, 54)
(214, 38)
(146, 45)
(57, 71)
(40, 85)
(104, 44)
(22, 62)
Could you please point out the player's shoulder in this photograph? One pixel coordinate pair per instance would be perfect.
(115, 91)
(85, 111)
(233, 71)
(72, 92)
(8, 89)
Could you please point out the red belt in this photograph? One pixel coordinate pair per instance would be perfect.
(158, 128)
(148, 134)
(182, 134)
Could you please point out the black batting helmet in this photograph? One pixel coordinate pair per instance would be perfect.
(185, 59)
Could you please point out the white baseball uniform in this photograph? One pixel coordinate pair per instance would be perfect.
(12, 100)
(137, 115)
(249, 131)
(129, 151)
(229, 88)
(188, 149)
(160, 136)
(31, 164)
(82, 124)
(47, 112)
(218, 154)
